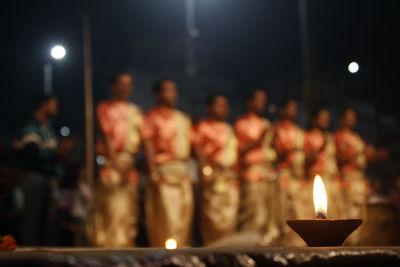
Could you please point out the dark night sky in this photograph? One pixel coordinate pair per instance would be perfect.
(247, 42)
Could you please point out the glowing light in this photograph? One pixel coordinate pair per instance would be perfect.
(65, 131)
(170, 243)
(100, 160)
(58, 52)
(353, 67)
(207, 171)
(320, 200)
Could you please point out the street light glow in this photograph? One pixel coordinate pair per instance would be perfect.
(353, 67)
(65, 131)
(58, 52)
(100, 160)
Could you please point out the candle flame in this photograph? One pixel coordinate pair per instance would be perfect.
(170, 243)
(320, 200)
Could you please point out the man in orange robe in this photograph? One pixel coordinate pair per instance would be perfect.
(169, 195)
(296, 193)
(117, 193)
(352, 156)
(215, 146)
(321, 160)
(258, 178)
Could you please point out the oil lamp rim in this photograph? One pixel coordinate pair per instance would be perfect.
(323, 220)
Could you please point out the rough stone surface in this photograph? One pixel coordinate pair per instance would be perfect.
(279, 256)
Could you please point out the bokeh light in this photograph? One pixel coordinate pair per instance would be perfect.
(58, 52)
(100, 160)
(353, 67)
(65, 131)
(171, 243)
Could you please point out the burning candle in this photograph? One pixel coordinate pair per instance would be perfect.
(321, 231)
(170, 243)
(320, 200)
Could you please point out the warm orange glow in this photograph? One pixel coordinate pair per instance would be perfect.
(170, 243)
(320, 200)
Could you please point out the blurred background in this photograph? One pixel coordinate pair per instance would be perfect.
(302, 49)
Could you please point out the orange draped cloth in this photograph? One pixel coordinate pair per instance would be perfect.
(350, 145)
(315, 142)
(160, 127)
(323, 146)
(217, 141)
(289, 141)
(321, 150)
(169, 204)
(169, 131)
(220, 197)
(250, 128)
(259, 188)
(116, 213)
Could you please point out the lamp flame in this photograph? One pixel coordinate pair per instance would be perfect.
(170, 243)
(320, 200)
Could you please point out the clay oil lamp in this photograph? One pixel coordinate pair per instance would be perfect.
(321, 231)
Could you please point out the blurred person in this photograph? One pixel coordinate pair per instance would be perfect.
(81, 208)
(71, 160)
(116, 194)
(353, 155)
(381, 225)
(375, 193)
(215, 146)
(37, 148)
(169, 193)
(258, 177)
(396, 196)
(320, 152)
(295, 189)
(8, 179)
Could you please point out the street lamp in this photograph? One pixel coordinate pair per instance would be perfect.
(353, 67)
(65, 131)
(192, 33)
(58, 52)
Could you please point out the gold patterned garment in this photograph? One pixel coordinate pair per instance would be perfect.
(220, 195)
(295, 189)
(116, 196)
(259, 189)
(322, 147)
(169, 203)
(169, 206)
(260, 204)
(219, 205)
(350, 145)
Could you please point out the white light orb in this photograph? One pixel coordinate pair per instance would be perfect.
(353, 67)
(100, 160)
(65, 131)
(58, 52)
(170, 243)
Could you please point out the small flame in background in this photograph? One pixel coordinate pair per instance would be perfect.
(320, 200)
(170, 243)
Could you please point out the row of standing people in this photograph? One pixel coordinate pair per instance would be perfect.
(254, 175)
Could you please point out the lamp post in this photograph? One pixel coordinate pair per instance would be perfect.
(353, 67)
(305, 53)
(57, 53)
(192, 33)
